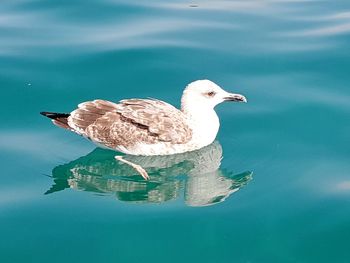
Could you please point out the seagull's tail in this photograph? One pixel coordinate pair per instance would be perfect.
(59, 119)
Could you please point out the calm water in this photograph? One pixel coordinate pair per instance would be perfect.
(281, 193)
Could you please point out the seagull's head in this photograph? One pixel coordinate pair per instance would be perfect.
(205, 93)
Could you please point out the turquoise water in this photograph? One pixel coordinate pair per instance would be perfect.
(281, 191)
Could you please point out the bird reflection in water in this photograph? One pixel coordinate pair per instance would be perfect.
(197, 174)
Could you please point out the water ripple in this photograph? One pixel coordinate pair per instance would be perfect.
(228, 26)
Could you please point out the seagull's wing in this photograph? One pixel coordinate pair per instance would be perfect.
(87, 113)
(119, 125)
(161, 119)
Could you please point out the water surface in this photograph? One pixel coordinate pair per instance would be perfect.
(280, 193)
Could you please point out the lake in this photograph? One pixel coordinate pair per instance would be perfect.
(274, 186)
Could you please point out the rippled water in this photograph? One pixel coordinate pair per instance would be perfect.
(280, 193)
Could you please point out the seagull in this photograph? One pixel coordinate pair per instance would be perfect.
(150, 127)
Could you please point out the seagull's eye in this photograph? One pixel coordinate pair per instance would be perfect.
(211, 93)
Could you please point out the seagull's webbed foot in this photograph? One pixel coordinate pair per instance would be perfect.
(137, 167)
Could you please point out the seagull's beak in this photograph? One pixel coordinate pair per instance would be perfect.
(235, 97)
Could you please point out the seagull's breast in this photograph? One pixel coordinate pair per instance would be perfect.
(205, 126)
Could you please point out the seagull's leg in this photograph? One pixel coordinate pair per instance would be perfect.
(137, 167)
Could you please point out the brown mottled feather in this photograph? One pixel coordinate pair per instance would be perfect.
(129, 122)
(87, 113)
(161, 118)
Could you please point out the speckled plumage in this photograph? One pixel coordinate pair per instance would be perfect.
(122, 125)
